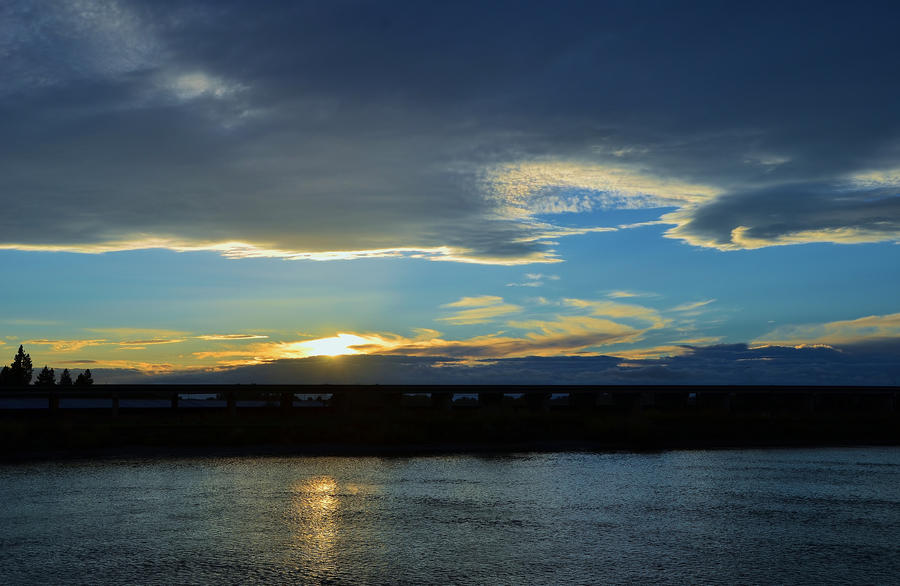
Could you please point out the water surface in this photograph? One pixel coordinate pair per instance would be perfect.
(750, 516)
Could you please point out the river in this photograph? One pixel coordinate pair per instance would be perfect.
(733, 516)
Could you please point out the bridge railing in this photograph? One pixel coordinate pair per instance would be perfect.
(359, 397)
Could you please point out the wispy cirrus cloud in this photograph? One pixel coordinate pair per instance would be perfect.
(692, 305)
(150, 341)
(534, 280)
(623, 294)
(231, 337)
(617, 310)
(67, 345)
(836, 333)
(478, 310)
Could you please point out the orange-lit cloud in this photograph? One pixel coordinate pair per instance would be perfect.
(622, 294)
(66, 345)
(150, 341)
(143, 366)
(549, 337)
(478, 310)
(245, 250)
(575, 327)
(675, 348)
(231, 337)
(616, 310)
(852, 331)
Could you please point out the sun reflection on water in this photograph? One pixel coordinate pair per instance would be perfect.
(315, 511)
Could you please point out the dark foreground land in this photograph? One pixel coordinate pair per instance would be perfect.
(419, 419)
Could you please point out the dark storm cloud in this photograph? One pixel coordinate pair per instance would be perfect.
(309, 127)
(793, 213)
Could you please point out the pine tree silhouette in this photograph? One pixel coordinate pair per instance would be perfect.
(84, 379)
(45, 378)
(65, 379)
(18, 374)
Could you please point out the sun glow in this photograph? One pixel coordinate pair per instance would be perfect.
(339, 345)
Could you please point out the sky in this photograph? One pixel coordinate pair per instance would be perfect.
(592, 192)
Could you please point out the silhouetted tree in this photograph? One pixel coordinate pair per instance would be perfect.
(18, 374)
(45, 378)
(84, 379)
(65, 379)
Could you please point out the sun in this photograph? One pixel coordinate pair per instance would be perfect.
(338, 345)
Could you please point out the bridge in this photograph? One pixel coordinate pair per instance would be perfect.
(342, 397)
(425, 416)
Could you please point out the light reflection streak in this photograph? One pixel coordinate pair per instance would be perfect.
(314, 515)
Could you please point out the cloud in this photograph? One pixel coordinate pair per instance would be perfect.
(231, 337)
(100, 39)
(717, 364)
(559, 335)
(555, 187)
(478, 310)
(422, 133)
(188, 86)
(567, 335)
(791, 214)
(150, 341)
(692, 306)
(569, 332)
(66, 345)
(126, 371)
(479, 301)
(836, 333)
(629, 294)
(616, 310)
(534, 280)
(675, 348)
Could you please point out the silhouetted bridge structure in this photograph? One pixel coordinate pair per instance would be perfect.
(351, 397)
(425, 417)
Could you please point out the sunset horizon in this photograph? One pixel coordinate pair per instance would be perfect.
(470, 292)
(203, 187)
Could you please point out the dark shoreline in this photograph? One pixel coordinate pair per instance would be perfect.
(387, 451)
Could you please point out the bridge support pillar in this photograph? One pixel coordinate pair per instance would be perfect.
(583, 400)
(441, 400)
(490, 399)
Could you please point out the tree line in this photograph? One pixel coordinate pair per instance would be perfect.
(20, 372)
